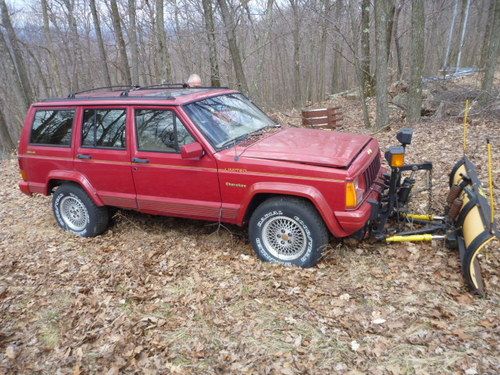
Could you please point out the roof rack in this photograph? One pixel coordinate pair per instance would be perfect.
(127, 87)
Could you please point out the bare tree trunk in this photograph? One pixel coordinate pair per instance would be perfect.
(390, 23)
(365, 48)
(230, 29)
(48, 39)
(75, 43)
(100, 43)
(22, 74)
(337, 52)
(417, 58)
(491, 62)
(133, 41)
(5, 138)
(322, 49)
(165, 60)
(297, 95)
(381, 13)
(487, 33)
(450, 37)
(462, 33)
(396, 38)
(115, 15)
(212, 44)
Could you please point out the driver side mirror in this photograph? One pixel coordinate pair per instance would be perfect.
(192, 151)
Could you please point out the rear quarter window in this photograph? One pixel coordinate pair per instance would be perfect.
(52, 127)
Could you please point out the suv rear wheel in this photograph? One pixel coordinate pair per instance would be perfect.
(77, 213)
(289, 231)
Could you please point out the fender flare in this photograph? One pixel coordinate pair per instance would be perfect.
(77, 177)
(282, 188)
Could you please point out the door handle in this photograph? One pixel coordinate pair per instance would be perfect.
(139, 160)
(84, 156)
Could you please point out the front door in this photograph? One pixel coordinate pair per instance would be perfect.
(166, 183)
(103, 154)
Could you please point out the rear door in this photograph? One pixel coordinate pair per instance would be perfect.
(103, 153)
(165, 182)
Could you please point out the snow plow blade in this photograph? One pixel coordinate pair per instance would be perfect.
(473, 219)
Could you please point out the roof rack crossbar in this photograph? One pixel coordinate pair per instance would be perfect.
(129, 87)
(164, 85)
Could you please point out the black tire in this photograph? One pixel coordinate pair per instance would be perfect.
(299, 220)
(76, 212)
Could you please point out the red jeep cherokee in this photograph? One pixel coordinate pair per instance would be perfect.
(201, 153)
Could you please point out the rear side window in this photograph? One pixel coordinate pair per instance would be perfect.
(104, 128)
(160, 130)
(52, 127)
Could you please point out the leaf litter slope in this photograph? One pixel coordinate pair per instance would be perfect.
(168, 295)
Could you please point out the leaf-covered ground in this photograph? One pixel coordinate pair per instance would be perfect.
(168, 295)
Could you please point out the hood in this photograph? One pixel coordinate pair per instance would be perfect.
(309, 146)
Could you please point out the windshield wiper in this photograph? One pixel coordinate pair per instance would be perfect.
(234, 140)
(242, 137)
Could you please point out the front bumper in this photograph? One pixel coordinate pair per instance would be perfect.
(352, 221)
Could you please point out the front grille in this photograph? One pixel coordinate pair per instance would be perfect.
(372, 171)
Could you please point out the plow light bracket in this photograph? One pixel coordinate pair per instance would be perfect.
(404, 136)
(395, 156)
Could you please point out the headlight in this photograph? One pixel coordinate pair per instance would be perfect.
(354, 191)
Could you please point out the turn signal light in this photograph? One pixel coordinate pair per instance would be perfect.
(24, 175)
(351, 198)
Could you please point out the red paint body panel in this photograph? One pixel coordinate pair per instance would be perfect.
(312, 164)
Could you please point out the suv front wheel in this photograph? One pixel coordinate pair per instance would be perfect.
(77, 213)
(289, 231)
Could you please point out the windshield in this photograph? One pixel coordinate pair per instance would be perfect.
(227, 119)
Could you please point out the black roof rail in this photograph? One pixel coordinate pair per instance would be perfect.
(127, 87)
(164, 86)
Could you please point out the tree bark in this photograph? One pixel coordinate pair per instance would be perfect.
(417, 58)
(133, 42)
(5, 138)
(487, 33)
(165, 60)
(56, 76)
(322, 49)
(122, 50)
(297, 95)
(491, 62)
(390, 23)
(450, 38)
(381, 13)
(75, 45)
(463, 30)
(365, 48)
(22, 73)
(230, 29)
(208, 16)
(396, 38)
(100, 43)
(337, 52)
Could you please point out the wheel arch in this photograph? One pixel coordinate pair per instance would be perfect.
(260, 192)
(56, 178)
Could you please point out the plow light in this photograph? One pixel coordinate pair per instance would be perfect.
(404, 136)
(395, 156)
